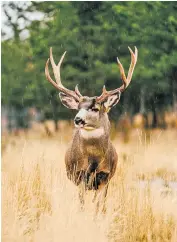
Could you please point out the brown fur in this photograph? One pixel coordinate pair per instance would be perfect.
(83, 152)
(91, 158)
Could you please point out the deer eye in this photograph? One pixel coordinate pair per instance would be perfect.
(95, 109)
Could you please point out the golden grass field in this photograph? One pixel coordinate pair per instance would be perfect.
(39, 203)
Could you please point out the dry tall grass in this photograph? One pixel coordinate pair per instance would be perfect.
(40, 204)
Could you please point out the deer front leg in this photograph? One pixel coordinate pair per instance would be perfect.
(100, 199)
(105, 197)
(82, 194)
(102, 181)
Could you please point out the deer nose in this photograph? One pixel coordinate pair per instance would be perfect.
(78, 120)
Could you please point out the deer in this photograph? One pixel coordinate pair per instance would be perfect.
(91, 159)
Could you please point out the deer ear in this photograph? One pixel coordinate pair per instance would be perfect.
(111, 101)
(68, 101)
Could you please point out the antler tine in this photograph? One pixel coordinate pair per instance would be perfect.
(47, 74)
(134, 57)
(122, 72)
(126, 80)
(77, 91)
(56, 69)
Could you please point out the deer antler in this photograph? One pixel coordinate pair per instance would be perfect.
(58, 84)
(126, 80)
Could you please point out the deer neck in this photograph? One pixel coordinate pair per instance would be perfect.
(95, 134)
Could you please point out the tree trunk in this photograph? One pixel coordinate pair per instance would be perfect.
(174, 91)
(126, 102)
(142, 100)
(56, 124)
(143, 107)
(54, 109)
(154, 112)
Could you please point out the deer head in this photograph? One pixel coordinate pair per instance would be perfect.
(90, 108)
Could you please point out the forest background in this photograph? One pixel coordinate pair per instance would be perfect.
(93, 34)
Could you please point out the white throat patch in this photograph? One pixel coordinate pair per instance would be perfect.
(89, 134)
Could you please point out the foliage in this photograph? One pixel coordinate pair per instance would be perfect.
(94, 33)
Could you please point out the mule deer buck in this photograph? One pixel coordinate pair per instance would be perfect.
(91, 158)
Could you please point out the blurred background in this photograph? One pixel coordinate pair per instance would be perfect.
(39, 202)
(93, 34)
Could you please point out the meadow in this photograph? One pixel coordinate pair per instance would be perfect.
(39, 203)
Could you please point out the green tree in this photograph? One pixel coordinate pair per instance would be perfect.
(94, 34)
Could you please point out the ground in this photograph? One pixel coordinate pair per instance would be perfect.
(39, 203)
